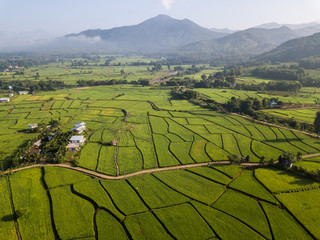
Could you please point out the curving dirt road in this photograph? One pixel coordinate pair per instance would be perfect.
(103, 176)
(311, 156)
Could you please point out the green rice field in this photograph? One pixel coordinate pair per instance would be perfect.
(184, 204)
(305, 115)
(153, 132)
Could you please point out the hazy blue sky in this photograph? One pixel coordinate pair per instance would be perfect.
(64, 16)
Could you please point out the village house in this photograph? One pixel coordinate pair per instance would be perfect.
(4, 100)
(11, 94)
(35, 150)
(75, 143)
(32, 126)
(23, 92)
(73, 147)
(273, 104)
(77, 139)
(79, 127)
(37, 144)
(286, 163)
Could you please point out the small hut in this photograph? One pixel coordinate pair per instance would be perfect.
(32, 126)
(114, 142)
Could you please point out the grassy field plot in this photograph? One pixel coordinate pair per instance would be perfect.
(89, 156)
(305, 206)
(109, 227)
(94, 191)
(124, 197)
(280, 181)
(192, 185)
(246, 209)
(183, 220)
(129, 160)
(282, 224)
(226, 226)
(247, 183)
(7, 227)
(68, 207)
(146, 226)
(155, 193)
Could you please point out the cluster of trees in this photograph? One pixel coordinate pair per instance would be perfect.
(298, 170)
(55, 149)
(187, 94)
(83, 83)
(246, 106)
(79, 63)
(52, 151)
(278, 74)
(23, 62)
(143, 82)
(49, 85)
(292, 73)
(194, 97)
(157, 66)
(285, 86)
(310, 63)
(194, 69)
(251, 107)
(286, 122)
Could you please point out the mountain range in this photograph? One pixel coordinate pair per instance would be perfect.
(166, 36)
(294, 50)
(303, 30)
(245, 43)
(159, 33)
(163, 34)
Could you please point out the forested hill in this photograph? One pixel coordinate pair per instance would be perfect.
(246, 43)
(161, 32)
(294, 50)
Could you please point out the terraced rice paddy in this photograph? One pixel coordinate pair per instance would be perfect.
(217, 202)
(199, 203)
(223, 95)
(156, 133)
(305, 115)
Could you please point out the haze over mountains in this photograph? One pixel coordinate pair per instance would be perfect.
(294, 50)
(166, 35)
(184, 37)
(159, 33)
(245, 43)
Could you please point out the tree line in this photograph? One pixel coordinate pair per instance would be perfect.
(83, 83)
(29, 85)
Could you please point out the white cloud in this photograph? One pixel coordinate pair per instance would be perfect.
(167, 3)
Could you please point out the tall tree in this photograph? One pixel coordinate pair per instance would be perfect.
(316, 123)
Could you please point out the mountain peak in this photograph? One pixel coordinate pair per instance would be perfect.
(161, 17)
(157, 33)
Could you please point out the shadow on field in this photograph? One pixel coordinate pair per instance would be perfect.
(8, 218)
(298, 180)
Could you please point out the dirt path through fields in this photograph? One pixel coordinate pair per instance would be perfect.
(102, 176)
(117, 152)
(9, 111)
(311, 156)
